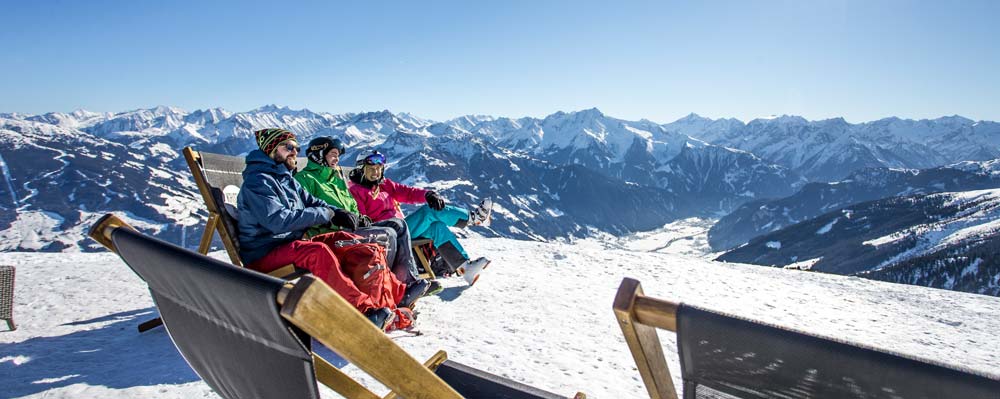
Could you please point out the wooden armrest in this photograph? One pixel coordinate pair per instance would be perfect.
(319, 311)
(637, 315)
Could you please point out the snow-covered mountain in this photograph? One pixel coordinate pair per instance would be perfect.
(569, 174)
(57, 181)
(944, 240)
(829, 150)
(763, 216)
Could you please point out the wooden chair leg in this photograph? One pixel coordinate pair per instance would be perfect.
(150, 324)
(10, 324)
(206, 237)
(341, 383)
(418, 249)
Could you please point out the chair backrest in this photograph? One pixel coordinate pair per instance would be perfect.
(223, 319)
(724, 356)
(219, 178)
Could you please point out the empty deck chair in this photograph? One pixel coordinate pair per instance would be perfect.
(248, 334)
(725, 357)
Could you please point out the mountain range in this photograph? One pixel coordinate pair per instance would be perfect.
(568, 174)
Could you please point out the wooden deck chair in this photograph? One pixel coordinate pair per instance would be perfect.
(219, 178)
(723, 357)
(248, 335)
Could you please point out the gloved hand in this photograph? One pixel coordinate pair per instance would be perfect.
(435, 201)
(364, 221)
(345, 219)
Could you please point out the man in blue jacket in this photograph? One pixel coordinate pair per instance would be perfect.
(275, 212)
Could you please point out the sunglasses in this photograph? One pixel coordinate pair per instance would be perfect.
(375, 159)
(291, 147)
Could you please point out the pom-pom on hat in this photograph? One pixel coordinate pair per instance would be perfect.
(268, 139)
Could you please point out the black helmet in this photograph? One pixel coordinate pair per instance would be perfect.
(318, 148)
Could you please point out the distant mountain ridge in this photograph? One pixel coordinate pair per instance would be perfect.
(760, 217)
(829, 150)
(944, 240)
(570, 173)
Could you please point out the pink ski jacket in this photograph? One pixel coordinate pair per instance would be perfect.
(382, 201)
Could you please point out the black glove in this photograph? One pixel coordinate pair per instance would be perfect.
(345, 219)
(434, 200)
(364, 221)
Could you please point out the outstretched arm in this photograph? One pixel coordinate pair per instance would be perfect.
(403, 193)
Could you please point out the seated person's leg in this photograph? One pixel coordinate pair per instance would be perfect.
(319, 260)
(403, 264)
(441, 235)
(420, 221)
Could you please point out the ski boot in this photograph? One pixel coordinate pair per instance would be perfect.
(481, 214)
(471, 269)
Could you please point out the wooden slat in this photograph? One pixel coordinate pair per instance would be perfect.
(284, 271)
(656, 312)
(323, 314)
(643, 342)
(432, 364)
(417, 244)
(343, 384)
(206, 237)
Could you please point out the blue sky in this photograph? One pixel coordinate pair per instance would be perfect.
(661, 60)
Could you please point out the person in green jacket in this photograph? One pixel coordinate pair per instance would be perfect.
(324, 179)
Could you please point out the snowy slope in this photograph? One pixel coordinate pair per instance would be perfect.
(540, 315)
(959, 228)
(756, 218)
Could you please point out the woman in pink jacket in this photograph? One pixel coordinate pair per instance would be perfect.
(379, 197)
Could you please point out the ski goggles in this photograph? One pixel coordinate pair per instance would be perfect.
(375, 159)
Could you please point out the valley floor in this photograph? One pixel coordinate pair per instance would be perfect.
(541, 314)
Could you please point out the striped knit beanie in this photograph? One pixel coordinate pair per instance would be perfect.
(268, 139)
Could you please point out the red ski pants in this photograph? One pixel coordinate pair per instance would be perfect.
(318, 258)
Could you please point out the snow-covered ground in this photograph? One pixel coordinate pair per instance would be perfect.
(541, 314)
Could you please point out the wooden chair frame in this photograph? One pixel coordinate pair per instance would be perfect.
(639, 316)
(418, 245)
(214, 224)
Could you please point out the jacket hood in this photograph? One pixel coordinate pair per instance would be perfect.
(259, 162)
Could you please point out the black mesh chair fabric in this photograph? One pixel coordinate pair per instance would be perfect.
(475, 383)
(219, 172)
(224, 320)
(727, 357)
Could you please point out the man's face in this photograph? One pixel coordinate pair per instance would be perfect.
(373, 172)
(286, 153)
(332, 157)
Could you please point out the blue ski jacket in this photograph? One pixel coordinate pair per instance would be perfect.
(273, 208)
